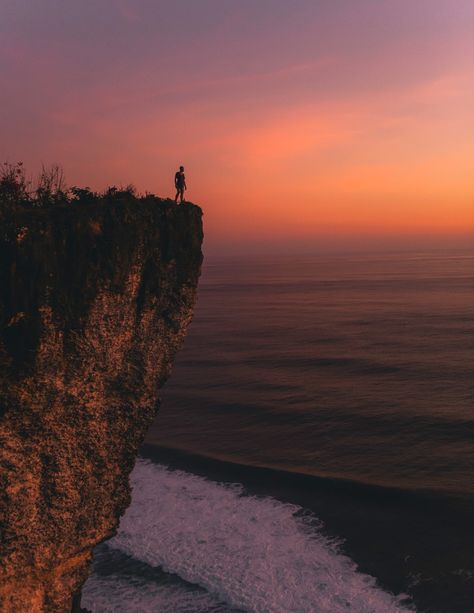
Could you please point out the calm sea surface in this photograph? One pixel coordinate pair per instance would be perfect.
(337, 390)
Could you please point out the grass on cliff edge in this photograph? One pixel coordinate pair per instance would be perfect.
(17, 192)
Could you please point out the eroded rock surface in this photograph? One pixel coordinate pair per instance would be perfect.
(94, 303)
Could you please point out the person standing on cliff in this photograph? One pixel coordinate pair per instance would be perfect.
(180, 184)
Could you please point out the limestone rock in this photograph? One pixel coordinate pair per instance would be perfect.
(94, 303)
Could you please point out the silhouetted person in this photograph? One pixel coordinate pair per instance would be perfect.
(180, 184)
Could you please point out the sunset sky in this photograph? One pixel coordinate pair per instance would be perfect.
(301, 123)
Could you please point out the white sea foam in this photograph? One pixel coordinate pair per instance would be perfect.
(114, 594)
(256, 554)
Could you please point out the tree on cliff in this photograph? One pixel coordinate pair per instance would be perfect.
(16, 190)
(13, 184)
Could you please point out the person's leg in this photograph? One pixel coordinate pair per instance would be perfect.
(176, 197)
(182, 195)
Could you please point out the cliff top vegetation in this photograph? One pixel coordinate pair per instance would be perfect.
(49, 188)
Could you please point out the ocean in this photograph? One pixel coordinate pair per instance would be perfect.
(314, 451)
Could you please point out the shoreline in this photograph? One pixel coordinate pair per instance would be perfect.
(412, 544)
(227, 470)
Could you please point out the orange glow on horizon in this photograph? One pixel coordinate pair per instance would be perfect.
(286, 126)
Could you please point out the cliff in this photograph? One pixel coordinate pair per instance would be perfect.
(95, 300)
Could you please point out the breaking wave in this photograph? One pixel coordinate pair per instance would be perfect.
(252, 553)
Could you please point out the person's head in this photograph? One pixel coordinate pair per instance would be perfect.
(181, 168)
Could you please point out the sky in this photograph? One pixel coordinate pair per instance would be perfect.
(302, 124)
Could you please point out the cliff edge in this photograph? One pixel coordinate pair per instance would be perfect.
(94, 303)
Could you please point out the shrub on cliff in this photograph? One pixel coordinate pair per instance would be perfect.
(16, 191)
(82, 195)
(13, 185)
(50, 189)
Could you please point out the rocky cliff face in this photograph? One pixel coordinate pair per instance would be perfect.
(94, 303)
